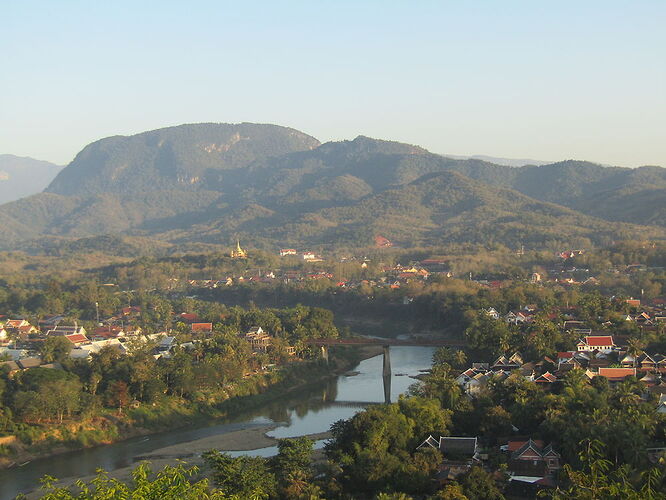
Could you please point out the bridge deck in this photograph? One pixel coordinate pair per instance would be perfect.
(387, 342)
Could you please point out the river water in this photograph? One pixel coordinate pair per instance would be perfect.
(310, 411)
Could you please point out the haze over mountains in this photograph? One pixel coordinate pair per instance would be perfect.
(276, 186)
(508, 162)
(22, 176)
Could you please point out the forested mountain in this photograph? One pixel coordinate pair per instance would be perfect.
(276, 186)
(22, 176)
(174, 157)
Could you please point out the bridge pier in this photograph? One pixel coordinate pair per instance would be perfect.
(386, 374)
(324, 353)
(387, 361)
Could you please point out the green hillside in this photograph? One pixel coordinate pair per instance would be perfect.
(207, 183)
(186, 157)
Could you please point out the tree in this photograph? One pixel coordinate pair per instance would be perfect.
(427, 417)
(452, 491)
(118, 395)
(479, 485)
(55, 349)
(597, 479)
(170, 483)
(292, 462)
(245, 477)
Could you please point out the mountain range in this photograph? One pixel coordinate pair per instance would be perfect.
(21, 176)
(276, 186)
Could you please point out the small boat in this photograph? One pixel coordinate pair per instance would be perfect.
(24, 463)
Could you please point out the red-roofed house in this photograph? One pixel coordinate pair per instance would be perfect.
(131, 311)
(202, 327)
(107, 332)
(16, 323)
(617, 374)
(596, 342)
(381, 242)
(533, 453)
(77, 339)
(546, 378)
(512, 446)
(188, 317)
(563, 357)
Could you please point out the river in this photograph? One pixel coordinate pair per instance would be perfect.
(310, 411)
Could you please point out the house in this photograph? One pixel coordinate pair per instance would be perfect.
(382, 242)
(107, 332)
(77, 339)
(63, 330)
(131, 311)
(492, 313)
(287, 251)
(546, 378)
(202, 327)
(616, 374)
(511, 363)
(661, 362)
(32, 362)
(259, 340)
(531, 458)
(517, 317)
(15, 324)
(570, 325)
(646, 363)
(20, 327)
(650, 379)
(565, 357)
(464, 378)
(164, 346)
(84, 351)
(188, 318)
(602, 343)
(628, 361)
(48, 322)
(454, 447)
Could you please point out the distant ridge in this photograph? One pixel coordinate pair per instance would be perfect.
(507, 162)
(22, 176)
(276, 186)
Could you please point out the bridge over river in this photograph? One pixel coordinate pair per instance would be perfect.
(325, 343)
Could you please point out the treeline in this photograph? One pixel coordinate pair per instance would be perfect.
(199, 372)
(601, 433)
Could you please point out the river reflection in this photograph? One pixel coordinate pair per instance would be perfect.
(308, 411)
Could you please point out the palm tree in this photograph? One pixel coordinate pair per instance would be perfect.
(459, 359)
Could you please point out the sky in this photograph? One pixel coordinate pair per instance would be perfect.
(517, 79)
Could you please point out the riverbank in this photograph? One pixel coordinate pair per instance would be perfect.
(248, 439)
(145, 421)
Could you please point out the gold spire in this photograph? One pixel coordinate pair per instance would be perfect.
(238, 252)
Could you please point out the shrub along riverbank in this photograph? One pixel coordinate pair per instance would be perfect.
(170, 412)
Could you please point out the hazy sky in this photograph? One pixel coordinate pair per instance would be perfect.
(543, 80)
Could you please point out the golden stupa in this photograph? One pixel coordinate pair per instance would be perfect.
(238, 252)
